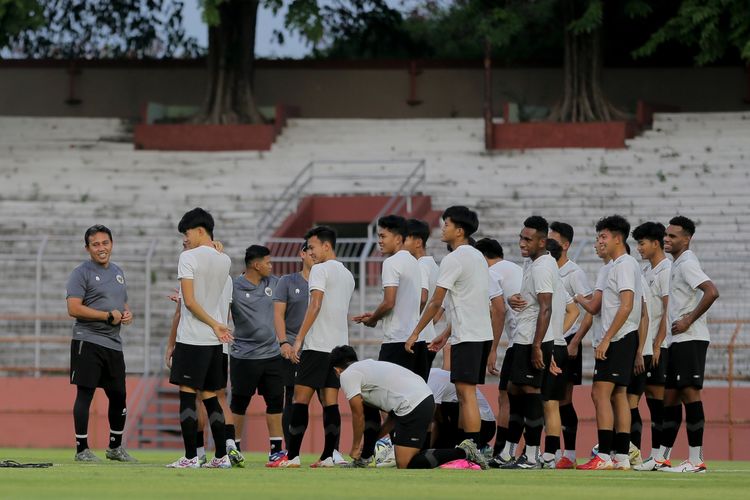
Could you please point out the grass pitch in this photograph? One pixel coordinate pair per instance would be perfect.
(150, 479)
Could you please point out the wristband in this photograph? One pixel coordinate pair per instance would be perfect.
(110, 318)
(284, 342)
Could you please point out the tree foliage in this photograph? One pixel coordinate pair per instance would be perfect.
(17, 16)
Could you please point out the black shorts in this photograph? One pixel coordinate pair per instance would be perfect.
(618, 367)
(264, 375)
(574, 367)
(522, 371)
(411, 429)
(686, 365)
(506, 369)
(657, 375)
(224, 368)
(289, 372)
(394, 352)
(423, 359)
(469, 361)
(199, 367)
(554, 387)
(315, 370)
(637, 385)
(92, 366)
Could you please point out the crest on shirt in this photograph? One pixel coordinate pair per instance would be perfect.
(296, 290)
(96, 278)
(120, 279)
(268, 291)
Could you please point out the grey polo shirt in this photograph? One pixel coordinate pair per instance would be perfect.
(292, 289)
(103, 289)
(252, 312)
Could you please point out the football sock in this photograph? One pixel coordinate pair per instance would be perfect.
(116, 413)
(515, 421)
(499, 440)
(332, 428)
(297, 427)
(84, 396)
(429, 459)
(551, 446)
(532, 454)
(199, 436)
(534, 419)
(275, 445)
(606, 438)
(694, 423)
(474, 436)
(636, 427)
(286, 415)
(569, 421)
(229, 431)
(372, 429)
(237, 444)
(217, 424)
(671, 425)
(622, 443)
(189, 423)
(656, 409)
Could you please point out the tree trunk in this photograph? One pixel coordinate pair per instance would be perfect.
(583, 98)
(231, 54)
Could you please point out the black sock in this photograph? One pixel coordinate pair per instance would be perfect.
(515, 421)
(297, 427)
(622, 443)
(199, 439)
(237, 442)
(217, 424)
(500, 435)
(332, 428)
(533, 419)
(606, 438)
(636, 427)
(429, 459)
(229, 431)
(84, 396)
(286, 415)
(474, 436)
(694, 423)
(656, 409)
(188, 423)
(116, 414)
(276, 445)
(551, 444)
(671, 425)
(569, 421)
(372, 429)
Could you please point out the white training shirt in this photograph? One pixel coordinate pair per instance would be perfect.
(386, 386)
(657, 280)
(510, 275)
(444, 391)
(209, 270)
(541, 276)
(464, 273)
(430, 270)
(575, 282)
(623, 275)
(647, 301)
(226, 300)
(402, 270)
(596, 319)
(331, 327)
(684, 296)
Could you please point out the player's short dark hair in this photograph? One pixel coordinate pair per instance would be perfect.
(627, 248)
(537, 222)
(323, 233)
(97, 228)
(563, 229)
(492, 249)
(614, 224)
(653, 231)
(303, 247)
(196, 217)
(393, 223)
(554, 248)
(418, 229)
(254, 252)
(686, 224)
(342, 356)
(462, 217)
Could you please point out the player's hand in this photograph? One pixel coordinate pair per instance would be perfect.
(680, 326)
(537, 359)
(656, 356)
(409, 344)
(554, 369)
(223, 333)
(127, 318)
(174, 296)
(286, 351)
(573, 349)
(601, 350)
(639, 366)
(492, 364)
(168, 357)
(218, 245)
(438, 343)
(516, 302)
(578, 298)
(117, 317)
(296, 351)
(361, 317)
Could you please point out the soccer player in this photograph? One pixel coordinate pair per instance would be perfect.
(197, 359)
(691, 294)
(650, 237)
(255, 356)
(616, 350)
(410, 406)
(97, 298)
(325, 326)
(417, 233)
(576, 283)
(290, 304)
(464, 279)
(402, 291)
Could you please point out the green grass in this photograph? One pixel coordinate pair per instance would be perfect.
(149, 479)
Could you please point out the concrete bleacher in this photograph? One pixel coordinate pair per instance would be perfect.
(62, 175)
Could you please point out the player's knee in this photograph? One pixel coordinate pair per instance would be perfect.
(239, 403)
(274, 404)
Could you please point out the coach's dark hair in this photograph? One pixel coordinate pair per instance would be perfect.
(394, 223)
(563, 229)
(254, 252)
(418, 229)
(653, 231)
(462, 217)
(342, 356)
(98, 228)
(614, 224)
(537, 222)
(554, 248)
(492, 249)
(323, 233)
(686, 224)
(196, 217)
(627, 248)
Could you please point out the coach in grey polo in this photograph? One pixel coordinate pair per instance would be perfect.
(252, 312)
(293, 290)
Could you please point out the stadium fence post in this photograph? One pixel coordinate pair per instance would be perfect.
(38, 306)
(147, 310)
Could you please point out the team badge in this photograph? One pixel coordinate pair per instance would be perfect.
(268, 290)
(296, 290)
(120, 279)
(96, 278)
(247, 295)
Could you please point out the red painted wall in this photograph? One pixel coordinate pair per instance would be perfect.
(610, 135)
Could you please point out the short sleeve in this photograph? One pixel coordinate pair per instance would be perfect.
(425, 272)
(281, 292)
(76, 286)
(662, 282)
(227, 294)
(126, 288)
(693, 274)
(450, 270)
(186, 266)
(351, 383)
(568, 298)
(580, 284)
(601, 278)
(318, 276)
(544, 279)
(494, 286)
(625, 277)
(390, 275)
